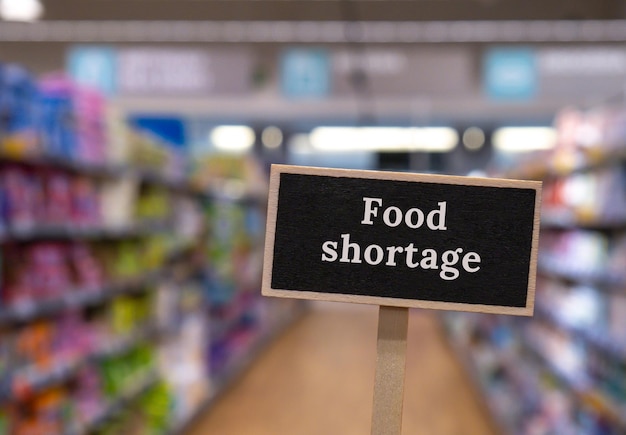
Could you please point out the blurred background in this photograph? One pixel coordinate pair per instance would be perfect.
(135, 143)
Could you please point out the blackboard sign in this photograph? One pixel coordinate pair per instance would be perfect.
(401, 239)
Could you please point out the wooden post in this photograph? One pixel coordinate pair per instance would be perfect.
(393, 325)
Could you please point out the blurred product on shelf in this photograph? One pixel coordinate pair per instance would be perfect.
(56, 119)
(585, 139)
(230, 176)
(586, 198)
(564, 370)
(575, 252)
(71, 118)
(235, 262)
(47, 198)
(93, 356)
(129, 289)
(534, 379)
(18, 110)
(182, 356)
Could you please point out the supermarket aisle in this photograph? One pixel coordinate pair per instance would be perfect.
(317, 379)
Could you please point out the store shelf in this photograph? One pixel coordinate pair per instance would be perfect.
(77, 299)
(593, 160)
(569, 220)
(72, 232)
(148, 176)
(29, 380)
(593, 336)
(141, 385)
(462, 354)
(583, 220)
(577, 386)
(104, 171)
(220, 325)
(247, 198)
(599, 278)
(228, 377)
(180, 248)
(577, 383)
(156, 183)
(581, 389)
(73, 166)
(125, 344)
(489, 368)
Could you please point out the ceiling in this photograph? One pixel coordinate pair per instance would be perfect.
(333, 10)
(264, 26)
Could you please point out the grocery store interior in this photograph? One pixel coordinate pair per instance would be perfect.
(136, 140)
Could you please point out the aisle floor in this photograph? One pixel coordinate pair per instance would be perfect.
(317, 379)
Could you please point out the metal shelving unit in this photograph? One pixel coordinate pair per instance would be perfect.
(141, 385)
(26, 382)
(591, 382)
(77, 299)
(228, 377)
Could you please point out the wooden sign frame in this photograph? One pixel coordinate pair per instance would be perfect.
(276, 172)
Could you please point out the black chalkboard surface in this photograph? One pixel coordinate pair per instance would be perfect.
(401, 239)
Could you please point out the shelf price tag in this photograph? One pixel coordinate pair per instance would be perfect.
(401, 240)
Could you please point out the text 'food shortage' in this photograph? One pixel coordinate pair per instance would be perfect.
(449, 262)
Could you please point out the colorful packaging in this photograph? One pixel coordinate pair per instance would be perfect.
(6, 356)
(85, 207)
(72, 120)
(58, 198)
(33, 346)
(19, 284)
(89, 108)
(24, 196)
(18, 126)
(71, 337)
(87, 396)
(57, 121)
(4, 421)
(48, 264)
(87, 270)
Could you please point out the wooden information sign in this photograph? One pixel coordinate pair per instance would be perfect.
(401, 240)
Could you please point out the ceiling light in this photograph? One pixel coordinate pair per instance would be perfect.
(20, 10)
(272, 137)
(436, 139)
(342, 139)
(524, 139)
(233, 138)
(473, 138)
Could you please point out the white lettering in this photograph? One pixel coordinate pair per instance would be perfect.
(391, 254)
(450, 258)
(330, 251)
(387, 217)
(369, 210)
(430, 220)
(410, 250)
(409, 220)
(345, 252)
(471, 257)
(452, 261)
(380, 254)
(429, 260)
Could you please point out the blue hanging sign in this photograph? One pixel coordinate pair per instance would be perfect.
(305, 73)
(94, 66)
(510, 74)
